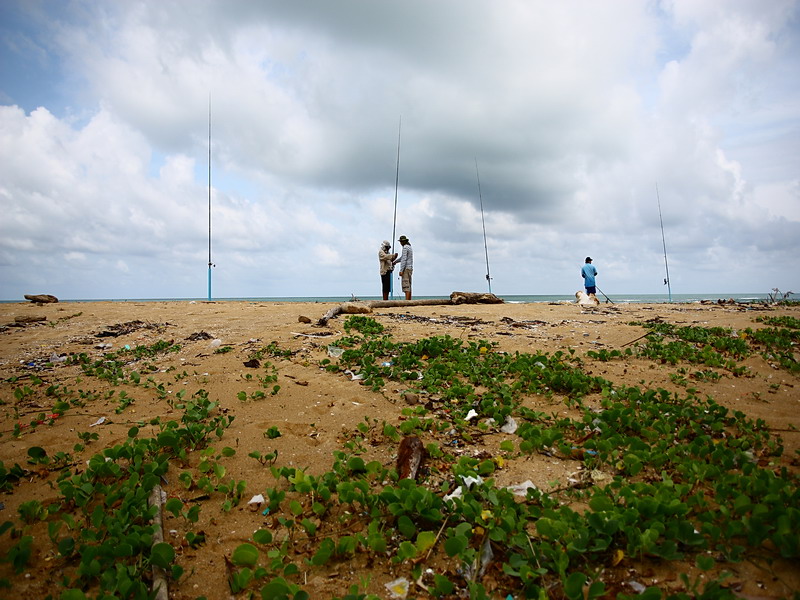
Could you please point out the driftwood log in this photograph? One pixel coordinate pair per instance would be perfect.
(355, 308)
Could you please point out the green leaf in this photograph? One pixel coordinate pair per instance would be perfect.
(323, 554)
(425, 540)
(245, 555)
(406, 526)
(162, 555)
(456, 545)
(174, 505)
(573, 586)
(262, 536)
(705, 562)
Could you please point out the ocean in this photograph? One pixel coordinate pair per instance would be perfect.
(520, 299)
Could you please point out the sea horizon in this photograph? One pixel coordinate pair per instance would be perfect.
(511, 298)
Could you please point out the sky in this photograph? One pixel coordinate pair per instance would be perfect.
(530, 134)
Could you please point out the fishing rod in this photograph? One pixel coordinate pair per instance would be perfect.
(483, 222)
(396, 184)
(604, 294)
(210, 264)
(664, 243)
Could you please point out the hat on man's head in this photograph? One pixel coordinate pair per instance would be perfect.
(385, 243)
(588, 259)
(402, 238)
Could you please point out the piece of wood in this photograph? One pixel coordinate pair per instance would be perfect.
(455, 298)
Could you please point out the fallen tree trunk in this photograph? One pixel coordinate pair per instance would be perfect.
(366, 307)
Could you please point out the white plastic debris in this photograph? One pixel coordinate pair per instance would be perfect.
(335, 351)
(636, 586)
(215, 343)
(55, 358)
(521, 489)
(354, 376)
(398, 588)
(468, 482)
(258, 500)
(510, 426)
(99, 421)
(471, 414)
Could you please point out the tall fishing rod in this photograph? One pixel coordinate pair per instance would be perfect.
(483, 222)
(210, 264)
(396, 184)
(664, 243)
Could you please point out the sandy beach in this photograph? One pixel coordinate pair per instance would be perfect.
(263, 364)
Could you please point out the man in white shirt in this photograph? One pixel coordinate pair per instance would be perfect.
(406, 265)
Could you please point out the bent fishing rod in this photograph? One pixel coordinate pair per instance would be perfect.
(664, 242)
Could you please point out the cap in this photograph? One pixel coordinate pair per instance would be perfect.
(588, 259)
(385, 243)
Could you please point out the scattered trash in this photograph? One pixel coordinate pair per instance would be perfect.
(398, 588)
(335, 351)
(409, 457)
(257, 500)
(354, 376)
(99, 421)
(469, 482)
(471, 414)
(636, 586)
(107, 346)
(215, 343)
(387, 363)
(510, 426)
(57, 358)
(200, 335)
(521, 489)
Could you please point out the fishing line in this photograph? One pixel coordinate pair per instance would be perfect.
(664, 243)
(396, 184)
(483, 222)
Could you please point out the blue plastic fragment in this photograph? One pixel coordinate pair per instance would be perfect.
(265, 511)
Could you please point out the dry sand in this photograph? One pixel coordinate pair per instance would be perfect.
(317, 411)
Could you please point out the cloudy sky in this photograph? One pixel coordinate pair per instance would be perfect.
(579, 116)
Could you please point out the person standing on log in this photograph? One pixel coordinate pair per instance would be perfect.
(406, 265)
(386, 262)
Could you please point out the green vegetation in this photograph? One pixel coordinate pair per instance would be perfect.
(665, 477)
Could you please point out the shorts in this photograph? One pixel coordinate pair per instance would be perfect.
(591, 290)
(386, 282)
(405, 280)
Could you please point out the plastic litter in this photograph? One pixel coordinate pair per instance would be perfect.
(471, 414)
(636, 586)
(398, 588)
(459, 491)
(335, 351)
(215, 343)
(55, 358)
(521, 489)
(354, 376)
(99, 421)
(510, 426)
(257, 499)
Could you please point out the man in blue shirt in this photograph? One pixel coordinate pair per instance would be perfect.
(588, 272)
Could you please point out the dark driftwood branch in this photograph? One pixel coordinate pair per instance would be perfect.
(366, 307)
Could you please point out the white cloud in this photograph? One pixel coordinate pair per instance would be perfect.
(574, 111)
